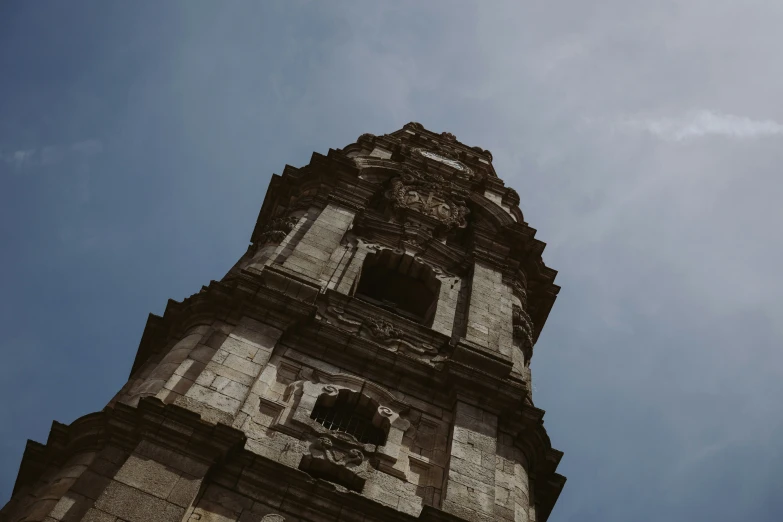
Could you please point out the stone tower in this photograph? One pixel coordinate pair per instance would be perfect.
(367, 359)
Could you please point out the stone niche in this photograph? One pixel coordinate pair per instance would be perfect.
(353, 427)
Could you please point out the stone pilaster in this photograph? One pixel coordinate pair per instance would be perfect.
(154, 376)
(447, 305)
(224, 383)
(470, 481)
(489, 312)
(512, 491)
(312, 253)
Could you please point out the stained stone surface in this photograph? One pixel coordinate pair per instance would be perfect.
(216, 423)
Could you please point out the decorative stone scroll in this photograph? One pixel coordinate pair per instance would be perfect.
(520, 291)
(382, 329)
(429, 194)
(523, 331)
(340, 315)
(384, 332)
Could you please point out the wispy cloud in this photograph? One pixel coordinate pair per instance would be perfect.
(697, 124)
(18, 158)
(51, 154)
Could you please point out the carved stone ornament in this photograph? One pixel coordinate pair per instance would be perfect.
(520, 291)
(323, 448)
(415, 235)
(384, 332)
(339, 314)
(512, 195)
(523, 331)
(338, 464)
(277, 229)
(383, 329)
(274, 517)
(430, 194)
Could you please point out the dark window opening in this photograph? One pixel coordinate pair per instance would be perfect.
(352, 413)
(399, 284)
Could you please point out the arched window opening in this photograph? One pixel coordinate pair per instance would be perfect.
(399, 284)
(352, 413)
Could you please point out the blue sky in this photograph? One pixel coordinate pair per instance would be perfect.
(644, 138)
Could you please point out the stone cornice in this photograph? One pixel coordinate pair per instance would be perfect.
(124, 426)
(274, 295)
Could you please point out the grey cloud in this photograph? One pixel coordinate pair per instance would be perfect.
(704, 123)
(660, 366)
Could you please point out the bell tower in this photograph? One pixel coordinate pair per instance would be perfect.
(367, 359)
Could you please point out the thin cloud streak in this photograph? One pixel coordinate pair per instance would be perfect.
(705, 123)
(51, 154)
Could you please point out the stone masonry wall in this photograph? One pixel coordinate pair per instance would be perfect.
(490, 322)
(470, 486)
(311, 254)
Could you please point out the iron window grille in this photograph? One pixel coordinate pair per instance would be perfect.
(349, 417)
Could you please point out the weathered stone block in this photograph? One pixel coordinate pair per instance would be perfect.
(147, 475)
(133, 505)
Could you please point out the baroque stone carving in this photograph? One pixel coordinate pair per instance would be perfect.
(323, 448)
(386, 333)
(414, 235)
(520, 291)
(339, 314)
(383, 329)
(523, 331)
(512, 195)
(341, 465)
(431, 195)
(277, 229)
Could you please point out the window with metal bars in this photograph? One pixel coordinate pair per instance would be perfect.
(350, 413)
